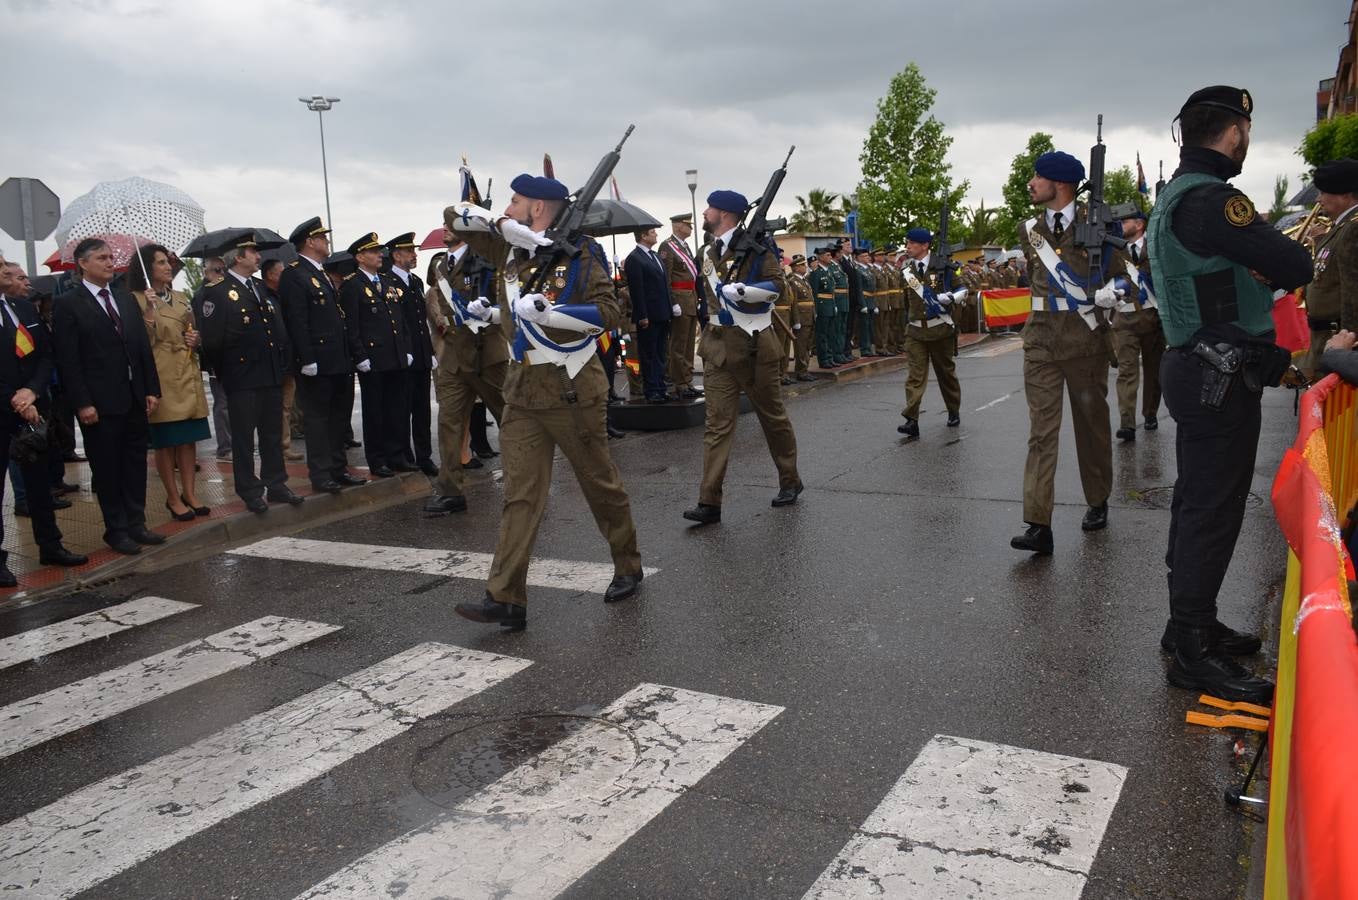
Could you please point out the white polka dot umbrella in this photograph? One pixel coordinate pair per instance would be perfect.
(136, 207)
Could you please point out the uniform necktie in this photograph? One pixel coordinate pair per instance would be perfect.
(112, 310)
(919, 269)
(720, 246)
(1057, 228)
(1136, 257)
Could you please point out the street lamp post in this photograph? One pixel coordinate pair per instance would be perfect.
(692, 175)
(319, 105)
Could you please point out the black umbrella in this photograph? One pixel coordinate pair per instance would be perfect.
(608, 216)
(215, 243)
(341, 262)
(286, 254)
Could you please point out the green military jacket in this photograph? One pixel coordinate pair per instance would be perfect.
(1333, 294)
(918, 312)
(465, 351)
(722, 345)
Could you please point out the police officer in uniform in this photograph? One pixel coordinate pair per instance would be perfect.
(320, 350)
(867, 308)
(1216, 266)
(804, 318)
(246, 343)
(682, 271)
(741, 353)
(379, 345)
(929, 334)
(555, 392)
(854, 284)
(840, 270)
(1137, 336)
(822, 283)
(1336, 259)
(417, 430)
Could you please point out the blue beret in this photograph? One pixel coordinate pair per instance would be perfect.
(537, 187)
(728, 201)
(919, 236)
(1058, 166)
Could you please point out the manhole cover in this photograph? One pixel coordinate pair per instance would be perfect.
(1162, 496)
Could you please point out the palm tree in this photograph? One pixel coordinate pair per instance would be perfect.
(816, 213)
(979, 224)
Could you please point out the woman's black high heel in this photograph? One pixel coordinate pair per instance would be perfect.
(197, 510)
(185, 516)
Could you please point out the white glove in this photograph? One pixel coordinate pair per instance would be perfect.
(1106, 297)
(946, 298)
(526, 307)
(310, 369)
(797, 327)
(676, 311)
(521, 235)
(733, 291)
(864, 309)
(877, 311)
(366, 366)
(410, 360)
(960, 294)
(480, 307)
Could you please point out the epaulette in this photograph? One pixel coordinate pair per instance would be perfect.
(294, 263)
(216, 282)
(347, 277)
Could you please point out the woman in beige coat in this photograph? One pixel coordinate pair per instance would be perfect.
(180, 421)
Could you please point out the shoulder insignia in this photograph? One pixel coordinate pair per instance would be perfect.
(294, 263)
(1239, 210)
(215, 281)
(368, 291)
(315, 282)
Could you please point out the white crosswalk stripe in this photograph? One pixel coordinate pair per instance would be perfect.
(564, 574)
(554, 818)
(49, 639)
(94, 833)
(31, 721)
(971, 819)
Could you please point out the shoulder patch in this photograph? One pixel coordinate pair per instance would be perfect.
(1239, 210)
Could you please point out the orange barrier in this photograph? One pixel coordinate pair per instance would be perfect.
(1006, 306)
(1313, 794)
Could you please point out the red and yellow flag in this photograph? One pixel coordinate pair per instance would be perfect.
(23, 341)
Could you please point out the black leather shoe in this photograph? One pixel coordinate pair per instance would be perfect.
(1151, 423)
(257, 505)
(473, 463)
(60, 502)
(428, 468)
(382, 472)
(65, 487)
(1037, 539)
(346, 479)
(197, 510)
(491, 611)
(442, 504)
(285, 495)
(1199, 665)
(622, 587)
(690, 393)
(1224, 639)
(57, 555)
(21, 509)
(613, 433)
(1096, 518)
(909, 428)
(1126, 434)
(124, 545)
(186, 516)
(145, 536)
(806, 376)
(703, 514)
(954, 420)
(350, 445)
(7, 579)
(484, 451)
(787, 496)
(328, 487)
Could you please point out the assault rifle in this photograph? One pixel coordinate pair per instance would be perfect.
(1097, 227)
(754, 234)
(945, 252)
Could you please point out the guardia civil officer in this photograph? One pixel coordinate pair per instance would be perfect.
(1216, 265)
(416, 429)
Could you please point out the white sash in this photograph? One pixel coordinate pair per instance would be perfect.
(572, 360)
(1128, 306)
(750, 323)
(470, 321)
(915, 285)
(1084, 306)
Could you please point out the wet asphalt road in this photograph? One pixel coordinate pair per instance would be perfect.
(884, 608)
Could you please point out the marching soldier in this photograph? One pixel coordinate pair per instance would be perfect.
(1064, 351)
(555, 392)
(840, 270)
(822, 281)
(683, 275)
(867, 309)
(417, 431)
(929, 333)
(1336, 260)
(1137, 335)
(473, 361)
(804, 323)
(379, 345)
(246, 343)
(741, 353)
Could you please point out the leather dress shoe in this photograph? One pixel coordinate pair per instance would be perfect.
(350, 445)
(57, 555)
(613, 433)
(1126, 434)
(1096, 518)
(428, 468)
(954, 420)
(197, 510)
(60, 502)
(622, 587)
(7, 579)
(124, 545)
(445, 503)
(1151, 423)
(382, 472)
(1037, 539)
(1200, 665)
(703, 514)
(285, 495)
(328, 487)
(346, 479)
(65, 487)
(257, 505)
(404, 467)
(909, 428)
(473, 463)
(1224, 639)
(490, 611)
(689, 393)
(484, 451)
(806, 376)
(788, 495)
(145, 536)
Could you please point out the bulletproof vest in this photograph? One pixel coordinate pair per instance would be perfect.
(1195, 291)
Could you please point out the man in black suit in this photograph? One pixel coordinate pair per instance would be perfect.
(648, 284)
(401, 249)
(320, 350)
(246, 343)
(104, 361)
(379, 346)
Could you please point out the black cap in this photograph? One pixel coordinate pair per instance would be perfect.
(402, 242)
(369, 241)
(682, 217)
(242, 240)
(1233, 99)
(1338, 176)
(310, 228)
(825, 249)
(341, 262)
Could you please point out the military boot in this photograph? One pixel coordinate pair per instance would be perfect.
(1201, 666)
(1224, 638)
(1036, 539)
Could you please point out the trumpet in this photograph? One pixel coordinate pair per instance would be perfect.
(1310, 228)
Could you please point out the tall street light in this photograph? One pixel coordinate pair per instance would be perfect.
(692, 175)
(319, 105)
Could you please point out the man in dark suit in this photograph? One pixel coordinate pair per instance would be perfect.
(320, 350)
(104, 360)
(417, 426)
(648, 283)
(379, 346)
(246, 343)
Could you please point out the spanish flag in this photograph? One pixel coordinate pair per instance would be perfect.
(23, 341)
(1006, 306)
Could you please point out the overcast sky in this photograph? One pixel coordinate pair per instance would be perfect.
(204, 96)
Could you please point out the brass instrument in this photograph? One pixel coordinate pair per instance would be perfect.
(1303, 232)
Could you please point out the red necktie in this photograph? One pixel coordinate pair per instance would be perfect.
(112, 310)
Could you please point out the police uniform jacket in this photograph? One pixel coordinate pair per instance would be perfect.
(375, 321)
(315, 319)
(466, 351)
(244, 338)
(416, 324)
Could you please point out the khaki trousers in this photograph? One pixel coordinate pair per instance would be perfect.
(920, 355)
(806, 339)
(1085, 379)
(723, 386)
(1140, 345)
(683, 339)
(289, 392)
(456, 393)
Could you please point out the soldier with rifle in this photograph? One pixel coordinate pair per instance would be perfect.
(740, 350)
(930, 334)
(554, 298)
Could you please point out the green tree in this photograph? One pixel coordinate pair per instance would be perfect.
(1279, 207)
(977, 226)
(1119, 186)
(1017, 207)
(193, 275)
(816, 213)
(904, 162)
(1333, 139)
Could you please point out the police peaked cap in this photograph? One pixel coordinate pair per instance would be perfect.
(866, 250)
(728, 201)
(310, 228)
(1339, 176)
(538, 187)
(1057, 165)
(1231, 99)
(402, 242)
(240, 242)
(827, 249)
(369, 241)
(919, 236)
